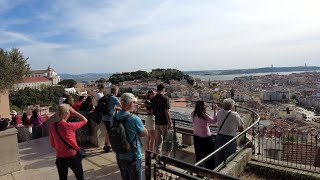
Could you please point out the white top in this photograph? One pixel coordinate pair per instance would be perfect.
(97, 97)
(61, 100)
(232, 123)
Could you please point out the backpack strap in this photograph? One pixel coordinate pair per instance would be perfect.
(124, 121)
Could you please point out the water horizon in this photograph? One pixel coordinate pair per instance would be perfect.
(232, 76)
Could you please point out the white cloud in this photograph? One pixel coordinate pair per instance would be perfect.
(112, 36)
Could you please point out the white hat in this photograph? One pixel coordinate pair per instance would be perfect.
(13, 112)
(128, 98)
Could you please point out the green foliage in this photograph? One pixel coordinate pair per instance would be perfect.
(101, 80)
(13, 67)
(157, 74)
(68, 83)
(28, 96)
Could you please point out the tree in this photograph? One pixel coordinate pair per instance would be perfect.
(68, 83)
(13, 67)
(101, 80)
(28, 96)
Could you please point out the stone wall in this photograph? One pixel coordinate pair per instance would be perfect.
(9, 153)
(4, 104)
(301, 153)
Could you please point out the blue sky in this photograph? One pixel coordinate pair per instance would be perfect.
(78, 36)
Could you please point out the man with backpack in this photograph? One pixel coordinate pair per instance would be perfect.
(107, 106)
(125, 139)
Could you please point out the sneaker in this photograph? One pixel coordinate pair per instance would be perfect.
(107, 149)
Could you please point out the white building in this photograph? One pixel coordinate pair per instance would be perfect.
(49, 73)
(33, 83)
(39, 79)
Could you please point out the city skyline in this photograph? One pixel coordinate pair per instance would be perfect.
(115, 36)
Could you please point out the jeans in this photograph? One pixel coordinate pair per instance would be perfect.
(230, 149)
(161, 133)
(75, 165)
(130, 170)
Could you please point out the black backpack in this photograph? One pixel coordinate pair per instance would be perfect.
(102, 107)
(118, 136)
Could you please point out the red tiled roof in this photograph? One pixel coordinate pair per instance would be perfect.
(34, 79)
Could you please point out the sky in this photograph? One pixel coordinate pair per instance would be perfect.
(108, 36)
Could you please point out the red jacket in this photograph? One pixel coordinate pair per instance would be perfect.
(68, 131)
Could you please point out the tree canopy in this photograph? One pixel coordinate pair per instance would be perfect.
(28, 96)
(13, 67)
(156, 74)
(68, 83)
(101, 80)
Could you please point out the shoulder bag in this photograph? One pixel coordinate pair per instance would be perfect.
(81, 153)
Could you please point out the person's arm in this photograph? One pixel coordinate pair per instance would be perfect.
(212, 120)
(140, 127)
(52, 143)
(118, 104)
(168, 116)
(144, 133)
(83, 120)
(39, 120)
(240, 127)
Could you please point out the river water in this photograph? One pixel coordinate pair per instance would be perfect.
(232, 76)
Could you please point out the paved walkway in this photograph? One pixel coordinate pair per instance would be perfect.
(38, 162)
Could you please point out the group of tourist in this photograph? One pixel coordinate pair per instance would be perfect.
(157, 125)
(33, 123)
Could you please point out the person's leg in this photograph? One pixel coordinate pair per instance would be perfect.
(165, 134)
(208, 143)
(151, 135)
(123, 166)
(135, 170)
(62, 166)
(76, 167)
(232, 148)
(158, 139)
(219, 156)
(107, 146)
(197, 147)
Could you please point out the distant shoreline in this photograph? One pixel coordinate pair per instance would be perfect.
(232, 76)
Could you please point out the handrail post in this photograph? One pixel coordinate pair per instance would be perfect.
(259, 139)
(148, 165)
(174, 138)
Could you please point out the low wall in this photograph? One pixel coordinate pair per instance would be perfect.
(46, 125)
(9, 153)
(98, 135)
(238, 164)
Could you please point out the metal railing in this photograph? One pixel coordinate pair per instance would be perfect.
(286, 147)
(241, 136)
(162, 167)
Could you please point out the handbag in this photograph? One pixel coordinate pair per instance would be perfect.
(81, 153)
(171, 141)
